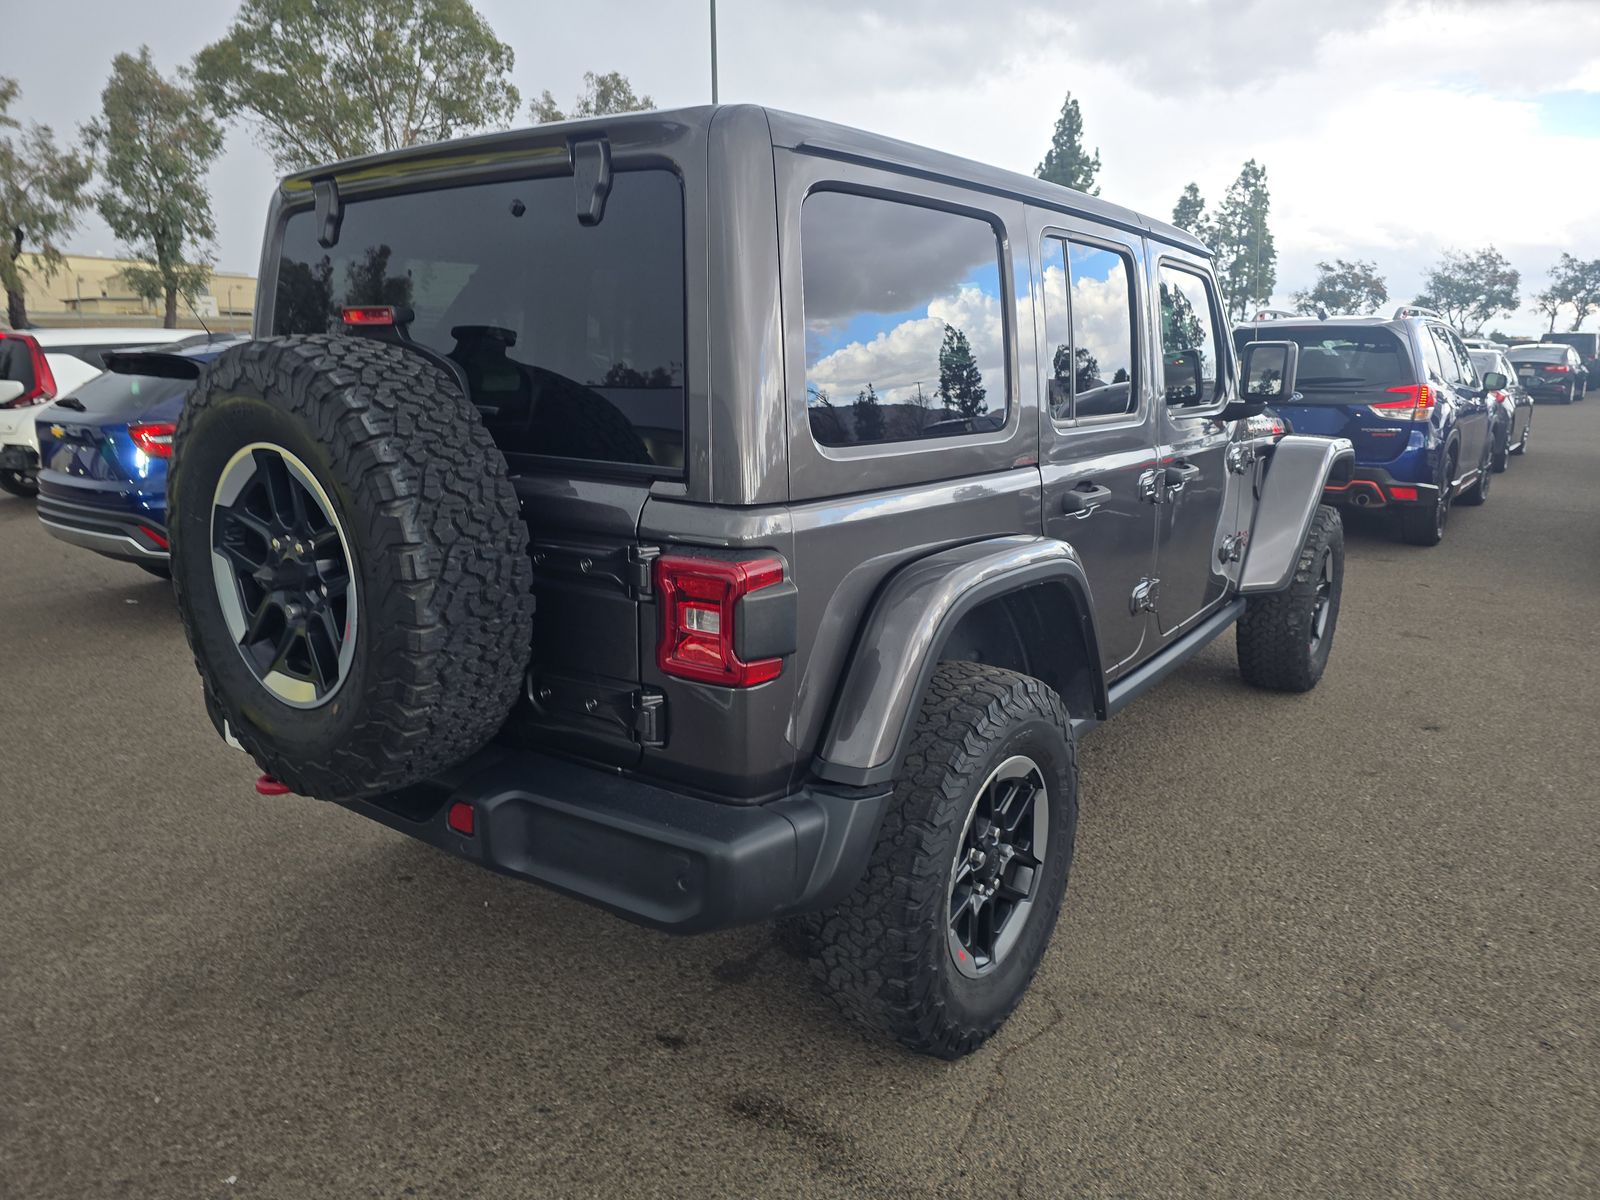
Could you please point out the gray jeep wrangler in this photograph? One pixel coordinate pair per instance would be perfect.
(721, 516)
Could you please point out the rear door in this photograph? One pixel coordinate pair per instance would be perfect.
(1472, 408)
(1193, 478)
(1098, 449)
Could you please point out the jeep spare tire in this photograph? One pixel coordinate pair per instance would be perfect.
(350, 562)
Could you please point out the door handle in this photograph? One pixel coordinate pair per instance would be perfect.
(1082, 500)
(1180, 473)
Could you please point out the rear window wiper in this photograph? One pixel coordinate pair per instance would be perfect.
(71, 402)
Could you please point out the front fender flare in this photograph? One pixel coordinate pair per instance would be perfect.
(907, 629)
(1298, 471)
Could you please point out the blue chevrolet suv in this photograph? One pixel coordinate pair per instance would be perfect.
(1405, 392)
(103, 452)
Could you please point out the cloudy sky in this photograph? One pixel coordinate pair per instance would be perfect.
(1390, 129)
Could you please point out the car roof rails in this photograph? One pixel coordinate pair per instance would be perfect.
(1416, 310)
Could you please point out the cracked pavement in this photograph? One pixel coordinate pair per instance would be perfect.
(1342, 944)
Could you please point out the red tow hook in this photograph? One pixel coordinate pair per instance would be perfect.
(266, 785)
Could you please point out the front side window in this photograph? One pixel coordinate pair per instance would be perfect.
(1191, 353)
(1088, 318)
(904, 321)
(571, 336)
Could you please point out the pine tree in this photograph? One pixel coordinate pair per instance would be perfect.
(1247, 257)
(868, 415)
(1066, 162)
(1189, 212)
(960, 382)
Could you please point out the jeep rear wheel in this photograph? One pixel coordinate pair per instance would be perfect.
(939, 941)
(350, 562)
(1284, 638)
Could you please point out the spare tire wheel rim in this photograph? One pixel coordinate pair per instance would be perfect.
(998, 866)
(284, 577)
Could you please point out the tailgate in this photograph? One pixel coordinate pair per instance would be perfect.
(1376, 439)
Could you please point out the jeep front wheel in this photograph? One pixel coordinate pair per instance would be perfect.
(1284, 638)
(350, 562)
(939, 941)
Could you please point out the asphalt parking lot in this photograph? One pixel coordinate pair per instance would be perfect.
(1339, 945)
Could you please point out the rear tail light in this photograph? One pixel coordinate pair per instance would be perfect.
(44, 379)
(1417, 405)
(1558, 368)
(699, 607)
(1402, 492)
(153, 437)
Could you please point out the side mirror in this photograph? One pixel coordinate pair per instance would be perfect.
(10, 389)
(1182, 377)
(1267, 372)
(1493, 381)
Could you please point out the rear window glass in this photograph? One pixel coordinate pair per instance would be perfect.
(114, 393)
(905, 329)
(16, 362)
(1487, 360)
(1537, 354)
(571, 336)
(1347, 359)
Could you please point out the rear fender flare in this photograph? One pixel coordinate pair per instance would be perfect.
(1300, 468)
(905, 633)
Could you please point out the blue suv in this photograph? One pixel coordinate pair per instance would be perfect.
(1405, 392)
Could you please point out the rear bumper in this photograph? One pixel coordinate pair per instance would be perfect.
(19, 458)
(1374, 487)
(125, 536)
(664, 859)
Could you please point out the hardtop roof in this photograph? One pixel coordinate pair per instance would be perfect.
(789, 130)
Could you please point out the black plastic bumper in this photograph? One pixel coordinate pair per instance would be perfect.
(661, 858)
(1373, 487)
(18, 458)
(114, 533)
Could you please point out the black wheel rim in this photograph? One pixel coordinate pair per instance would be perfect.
(1442, 508)
(1322, 601)
(998, 866)
(283, 575)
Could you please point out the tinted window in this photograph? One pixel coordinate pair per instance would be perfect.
(1190, 351)
(1469, 373)
(113, 394)
(905, 333)
(16, 362)
(1553, 354)
(1450, 366)
(1490, 360)
(1088, 320)
(571, 336)
(1344, 359)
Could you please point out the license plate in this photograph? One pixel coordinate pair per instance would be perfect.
(1524, 374)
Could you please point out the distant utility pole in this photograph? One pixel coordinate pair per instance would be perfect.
(713, 51)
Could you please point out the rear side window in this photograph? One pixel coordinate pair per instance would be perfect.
(16, 362)
(1447, 355)
(1088, 321)
(571, 336)
(1191, 352)
(904, 321)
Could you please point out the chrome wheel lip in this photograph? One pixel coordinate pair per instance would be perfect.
(1323, 600)
(236, 474)
(971, 961)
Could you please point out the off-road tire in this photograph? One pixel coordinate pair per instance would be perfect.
(438, 549)
(19, 484)
(1274, 636)
(883, 955)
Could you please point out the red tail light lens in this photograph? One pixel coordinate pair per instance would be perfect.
(699, 605)
(1402, 492)
(153, 437)
(1558, 368)
(379, 314)
(1417, 405)
(44, 380)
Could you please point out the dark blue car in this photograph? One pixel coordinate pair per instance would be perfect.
(1405, 392)
(103, 453)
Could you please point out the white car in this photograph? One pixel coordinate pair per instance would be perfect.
(41, 365)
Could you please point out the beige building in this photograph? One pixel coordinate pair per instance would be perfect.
(90, 290)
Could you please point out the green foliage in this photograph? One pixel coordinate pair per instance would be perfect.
(1574, 284)
(1066, 162)
(1469, 289)
(602, 96)
(1189, 213)
(330, 79)
(868, 415)
(1352, 287)
(42, 191)
(1241, 239)
(156, 139)
(960, 382)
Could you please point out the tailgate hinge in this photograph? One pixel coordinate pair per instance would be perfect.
(641, 561)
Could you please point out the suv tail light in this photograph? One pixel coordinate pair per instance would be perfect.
(153, 437)
(44, 379)
(1417, 405)
(699, 607)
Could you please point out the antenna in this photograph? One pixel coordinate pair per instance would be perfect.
(195, 313)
